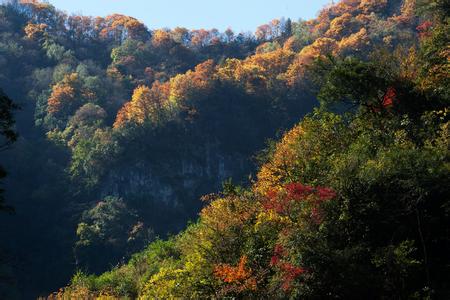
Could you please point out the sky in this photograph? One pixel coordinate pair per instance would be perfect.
(240, 15)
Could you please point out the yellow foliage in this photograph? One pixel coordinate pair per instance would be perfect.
(35, 31)
(230, 70)
(408, 9)
(162, 285)
(340, 25)
(165, 98)
(259, 72)
(222, 214)
(118, 26)
(145, 105)
(369, 6)
(161, 38)
(292, 44)
(36, 4)
(320, 47)
(407, 13)
(355, 42)
(80, 292)
(271, 219)
(182, 85)
(267, 47)
(63, 94)
(142, 104)
(303, 150)
(271, 174)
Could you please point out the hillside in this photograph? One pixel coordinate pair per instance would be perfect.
(347, 206)
(133, 126)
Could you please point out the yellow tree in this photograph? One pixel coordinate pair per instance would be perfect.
(320, 48)
(36, 31)
(341, 25)
(161, 39)
(145, 105)
(65, 96)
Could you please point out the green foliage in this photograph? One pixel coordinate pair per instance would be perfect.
(434, 61)
(354, 82)
(202, 103)
(302, 34)
(109, 225)
(7, 135)
(346, 206)
(91, 150)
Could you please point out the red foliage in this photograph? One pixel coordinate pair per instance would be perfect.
(298, 191)
(272, 194)
(230, 274)
(281, 202)
(240, 277)
(390, 97)
(275, 202)
(316, 215)
(278, 252)
(325, 193)
(290, 273)
(274, 260)
(424, 29)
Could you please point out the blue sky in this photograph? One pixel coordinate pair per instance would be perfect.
(240, 15)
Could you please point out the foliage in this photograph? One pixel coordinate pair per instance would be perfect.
(347, 205)
(157, 118)
(7, 134)
(111, 226)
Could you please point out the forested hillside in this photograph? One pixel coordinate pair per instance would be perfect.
(348, 205)
(123, 129)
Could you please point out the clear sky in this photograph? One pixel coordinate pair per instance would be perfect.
(240, 15)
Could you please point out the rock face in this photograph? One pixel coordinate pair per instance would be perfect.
(160, 191)
(177, 182)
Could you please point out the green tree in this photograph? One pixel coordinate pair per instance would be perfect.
(112, 227)
(7, 135)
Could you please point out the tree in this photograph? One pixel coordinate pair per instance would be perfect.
(434, 54)
(287, 28)
(110, 225)
(119, 28)
(7, 135)
(146, 104)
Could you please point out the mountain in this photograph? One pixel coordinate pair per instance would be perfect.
(123, 129)
(352, 202)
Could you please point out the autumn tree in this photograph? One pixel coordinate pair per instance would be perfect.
(201, 38)
(162, 39)
(140, 107)
(320, 48)
(146, 104)
(434, 54)
(115, 102)
(35, 31)
(181, 35)
(368, 6)
(119, 27)
(253, 73)
(342, 25)
(239, 278)
(67, 96)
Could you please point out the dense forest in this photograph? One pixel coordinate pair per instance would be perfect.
(309, 159)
